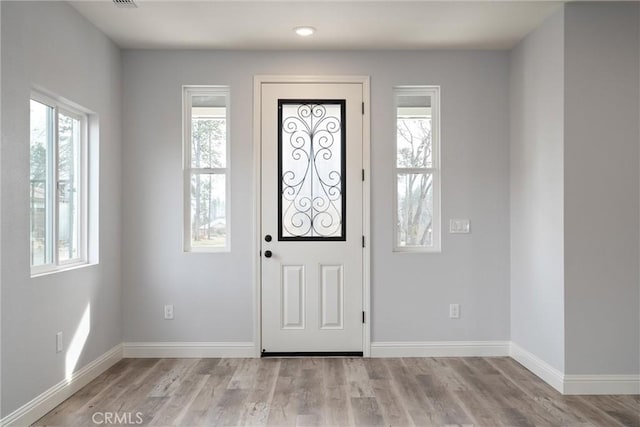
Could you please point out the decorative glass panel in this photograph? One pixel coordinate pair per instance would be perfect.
(415, 209)
(311, 169)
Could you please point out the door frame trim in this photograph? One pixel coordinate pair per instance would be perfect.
(258, 81)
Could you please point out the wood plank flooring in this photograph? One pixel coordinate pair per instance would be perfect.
(333, 392)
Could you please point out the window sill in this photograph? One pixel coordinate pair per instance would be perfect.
(222, 250)
(61, 269)
(416, 250)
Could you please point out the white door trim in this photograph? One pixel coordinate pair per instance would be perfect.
(366, 196)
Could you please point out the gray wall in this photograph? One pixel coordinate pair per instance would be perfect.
(537, 192)
(50, 45)
(0, 213)
(575, 284)
(212, 293)
(601, 188)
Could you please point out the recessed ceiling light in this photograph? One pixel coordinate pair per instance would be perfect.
(304, 31)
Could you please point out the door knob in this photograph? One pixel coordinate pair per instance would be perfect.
(267, 238)
(268, 254)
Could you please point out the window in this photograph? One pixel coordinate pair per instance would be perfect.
(417, 169)
(58, 185)
(206, 168)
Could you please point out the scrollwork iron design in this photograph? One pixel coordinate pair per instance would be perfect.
(311, 165)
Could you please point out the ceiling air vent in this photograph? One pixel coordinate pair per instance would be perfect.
(125, 3)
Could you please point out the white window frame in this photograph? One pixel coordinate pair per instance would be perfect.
(71, 110)
(188, 92)
(434, 93)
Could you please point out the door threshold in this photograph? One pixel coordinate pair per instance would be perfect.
(311, 354)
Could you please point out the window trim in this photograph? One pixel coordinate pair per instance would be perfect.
(435, 170)
(67, 108)
(188, 92)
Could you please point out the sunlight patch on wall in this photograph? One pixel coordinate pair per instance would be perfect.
(77, 343)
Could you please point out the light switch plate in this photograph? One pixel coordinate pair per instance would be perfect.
(459, 226)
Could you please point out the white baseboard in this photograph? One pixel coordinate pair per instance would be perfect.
(602, 384)
(35, 409)
(542, 369)
(440, 349)
(188, 349)
(576, 384)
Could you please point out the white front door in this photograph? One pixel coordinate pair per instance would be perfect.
(312, 256)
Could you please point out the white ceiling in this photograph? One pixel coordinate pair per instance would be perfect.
(266, 24)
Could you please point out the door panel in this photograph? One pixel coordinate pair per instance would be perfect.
(311, 151)
(293, 297)
(331, 302)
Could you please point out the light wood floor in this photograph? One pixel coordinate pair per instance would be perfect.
(335, 392)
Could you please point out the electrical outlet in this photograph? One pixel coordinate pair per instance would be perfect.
(168, 312)
(454, 311)
(59, 344)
